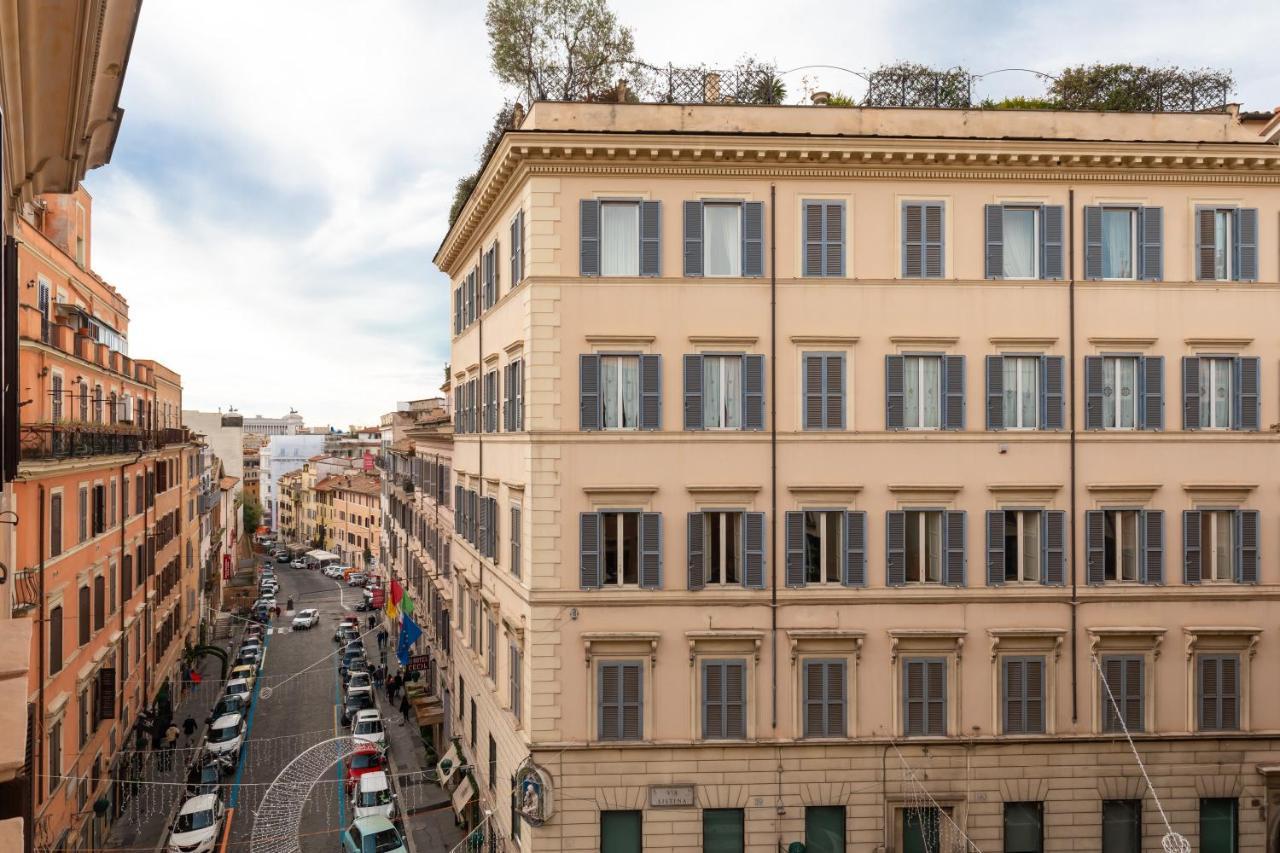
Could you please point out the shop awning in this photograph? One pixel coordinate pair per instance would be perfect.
(463, 795)
(448, 766)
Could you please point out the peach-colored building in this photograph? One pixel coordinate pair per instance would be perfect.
(353, 517)
(805, 451)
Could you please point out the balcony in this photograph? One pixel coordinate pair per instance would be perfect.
(26, 592)
(209, 500)
(75, 441)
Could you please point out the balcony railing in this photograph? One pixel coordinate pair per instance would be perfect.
(77, 440)
(209, 500)
(26, 591)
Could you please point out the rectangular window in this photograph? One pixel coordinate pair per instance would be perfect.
(1119, 243)
(722, 392)
(724, 699)
(55, 640)
(620, 553)
(1120, 557)
(723, 549)
(84, 615)
(493, 764)
(619, 238)
(1119, 392)
(825, 698)
(1023, 827)
(723, 831)
(621, 832)
(924, 553)
(1023, 689)
(55, 756)
(722, 241)
(99, 602)
(922, 240)
(1122, 826)
(1217, 545)
(1021, 238)
(1218, 692)
(823, 546)
(82, 513)
(1021, 392)
(1123, 684)
(515, 676)
(1216, 393)
(824, 238)
(824, 829)
(924, 697)
(1219, 825)
(824, 390)
(922, 392)
(55, 524)
(1022, 545)
(620, 700)
(620, 391)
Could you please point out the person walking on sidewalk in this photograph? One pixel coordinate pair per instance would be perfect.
(382, 638)
(404, 708)
(170, 744)
(189, 729)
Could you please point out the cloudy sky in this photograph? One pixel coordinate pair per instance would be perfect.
(285, 168)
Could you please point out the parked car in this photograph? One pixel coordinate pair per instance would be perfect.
(357, 680)
(367, 725)
(356, 645)
(357, 701)
(308, 618)
(198, 825)
(365, 606)
(298, 564)
(372, 796)
(245, 672)
(356, 667)
(366, 758)
(357, 579)
(373, 834)
(225, 735)
(348, 658)
(204, 776)
(230, 703)
(238, 687)
(283, 558)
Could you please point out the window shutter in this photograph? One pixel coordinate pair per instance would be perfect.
(1134, 718)
(1033, 670)
(936, 697)
(589, 548)
(507, 390)
(995, 241)
(609, 705)
(912, 240)
(1248, 371)
(1095, 543)
(1190, 392)
(484, 527)
(692, 238)
(833, 255)
(753, 239)
(693, 392)
(1246, 244)
(1210, 704)
(953, 414)
(457, 502)
(713, 700)
(457, 310)
(995, 547)
(815, 691)
(895, 537)
(933, 239)
(1051, 239)
(995, 392)
(833, 391)
(1052, 397)
(953, 535)
(913, 696)
(1093, 242)
(517, 374)
(651, 550)
(1229, 691)
(1014, 688)
(651, 392)
(753, 392)
(1152, 521)
(735, 699)
(1093, 399)
(1205, 240)
(650, 238)
(1191, 546)
(855, 554)
(1055, 547)
(795, 549)
(588, 392)
(814, 242)
(515, 541)
(1151, 235)
(1247, 545)
(894, 381)
(835, 701)
(1152, 370)
(813, 384)
(695, 537)
(517, 248)
(753, 536)
(589, 237)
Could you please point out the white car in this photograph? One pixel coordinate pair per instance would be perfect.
(237, 686)
(308, 618)
(298, 564)
(198, 825)
(368, 726)
(225, 735)
(359, 681)
(373, 796)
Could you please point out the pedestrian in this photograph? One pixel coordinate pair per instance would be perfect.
(189, 728)
(404, 708)
(372, 621)
(382, 638)
(170, 744)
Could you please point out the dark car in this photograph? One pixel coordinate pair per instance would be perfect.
(283, 558)
(365, 605)
(204, 776)
(356, 703)
(348, 659)
(359, 665)
(356, 645)
(227, 705)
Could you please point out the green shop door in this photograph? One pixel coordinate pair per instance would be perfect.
(824, 829)
(620, 832)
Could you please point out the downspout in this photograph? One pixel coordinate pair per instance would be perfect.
(147, 624)
(773, 448)
(41, 621)
(480, 383)
(124, 552)
(1071, 383)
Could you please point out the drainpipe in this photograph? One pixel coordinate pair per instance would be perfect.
(41, 620)
(773, 448)
(480, 383)
(124, 552)
(1071, 383)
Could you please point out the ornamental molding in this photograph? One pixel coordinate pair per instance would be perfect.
(1221, 638)
(1125, 639)
(1027, 639)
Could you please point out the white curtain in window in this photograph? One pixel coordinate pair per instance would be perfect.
(1019, 243)
(1011, 392)
(1119, 392)
(931, 391)
(631, 392)
(1221, 240)
(620, 239)
(911, 391)
(1215, 392)
(732, 392)
(711, 392)
(1117, 244)
(1029, 368)
(722, 244)
(609, 391)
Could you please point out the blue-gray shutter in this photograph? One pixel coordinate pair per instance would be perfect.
(507, 408)
(1152, 521)
(608, 705)
(953, 538)
(1190, 392)
(1246, 244)
(894, 386)
(1052, 231)
(517, 374)
(833, 391)
(588, 392)
(1013, 695)
(482, 521)
(834, 253)
(692, 238)
(1152, 373)
(912, 240)
(813, 385)
(1093, 396)
(995, 547)
(713, 712)
(1206, 240)
(693, 392)
(651, 238)
(589, 573)
(855, 545)
(953, 412)
(895, 541)
(517, 249)
(695, 545)
(1151, 240)
(516, 537)
(753, 239)
(1247, 375)
(1055, 547)
(651, 550)
(795, 548)
(589, 237)
(753, 392)
(457, 503)
(814, 234)
(1093, 242)
(995, 392)
(457, 310)
(1191, 546)
(1051, 391)
(651, 392)
(1246, 522)
(994, 241)
(753, 550)
(934, 256)
(1095, 547)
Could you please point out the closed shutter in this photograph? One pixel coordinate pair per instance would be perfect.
(1055, 541)
(589, 237)
(754, 538)
(1246, 244)
(953, 535)
(494, 526)
(855, 554)
(517, 249)
(1218, 692)
(995, 392)
(457, 310)
(833, 391)
(457, 502)
(713, 712)
(953, 413)
(1152, 521)
(994, 219)
(589, 573)
(1246, 521)
(483, 514)
(1191, 546)
(1052, 230)
(912, 240)
(1206, 243)
(651, 392)
(620, 701)
(753, 239)
(894, 387)
(995, 547)
(650, 238)
(895, 534)
(1151, 239)
(506, 398)
(651, 550)
(1152, 414)
(925, 697)
(1095, 541)
(1023, 689)
(692, 238)
(724, 700)
(695, 548)
(824, 698)
(1052, 396)
(1190, 392)
(693, 392)
(824, 238)
(1093, 398)
(1247, 374)
(753, 392)
(795, 549)
(1124, 684)
(1093, 242)
(588, 392)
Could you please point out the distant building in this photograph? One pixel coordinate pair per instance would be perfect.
(290, 424)
(224, 433)
(283, 453)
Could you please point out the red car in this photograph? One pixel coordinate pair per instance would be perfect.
(366, 759)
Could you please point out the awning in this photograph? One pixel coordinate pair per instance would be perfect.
(463, 795)
(448, 766)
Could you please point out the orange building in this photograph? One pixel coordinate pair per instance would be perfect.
(354, 516)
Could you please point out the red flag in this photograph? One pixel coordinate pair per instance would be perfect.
(397, 592)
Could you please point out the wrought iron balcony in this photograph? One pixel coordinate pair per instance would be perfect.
(26, 591)
(77, 440)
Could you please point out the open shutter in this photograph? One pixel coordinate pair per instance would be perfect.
(1052, 396)
(1191, 546)
(1246, 244)
(1093, 399)
(693, 392)
(1205, 243)
(589, 237)
(895, 540)
(995, 547)
(1055, 542)
(894, 382)
(651, 392)
(588, 392)
(1152, 414)
(507, 389)
(753, 550)
(1247, 546)
(994, 240)
(953, 535)
(1248, 371)
(795, 549)
(517, 373)
(696, 537)
(1093, 242)
(995, 392)
(651, 550)
(692, 238)
(457, 310)
(1152, 521)
(515, 541)
(814, 242)
(953, 414)
(933, 240)
(753, 239)
(1051, 239)
(753, 392)
(812, 391)
(833, 392)
(1095, 543)
(1151, 235)
(855, 553)
(1190, 392)
(651, 238)
(589, 550)
(912, 240)
(517, 249)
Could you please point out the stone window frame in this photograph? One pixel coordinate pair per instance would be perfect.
(1242, 641)
(946, 643)
(1025, 642)
(620, 646)
(1143, 642)
(825, 644)
(719, 646)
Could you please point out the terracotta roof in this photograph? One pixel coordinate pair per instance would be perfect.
(228, 482)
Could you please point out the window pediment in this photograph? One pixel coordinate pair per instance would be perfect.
(728, 642)
(926, 641)
(825, 641)
(1024, 640)
(1134, 639)
(1221, 639)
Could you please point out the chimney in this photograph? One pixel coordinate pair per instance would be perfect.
(622, 91)
(711, 88)
(820, 98)
(517, 115)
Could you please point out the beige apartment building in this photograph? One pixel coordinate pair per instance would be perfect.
(354, 517)
(859, 476)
